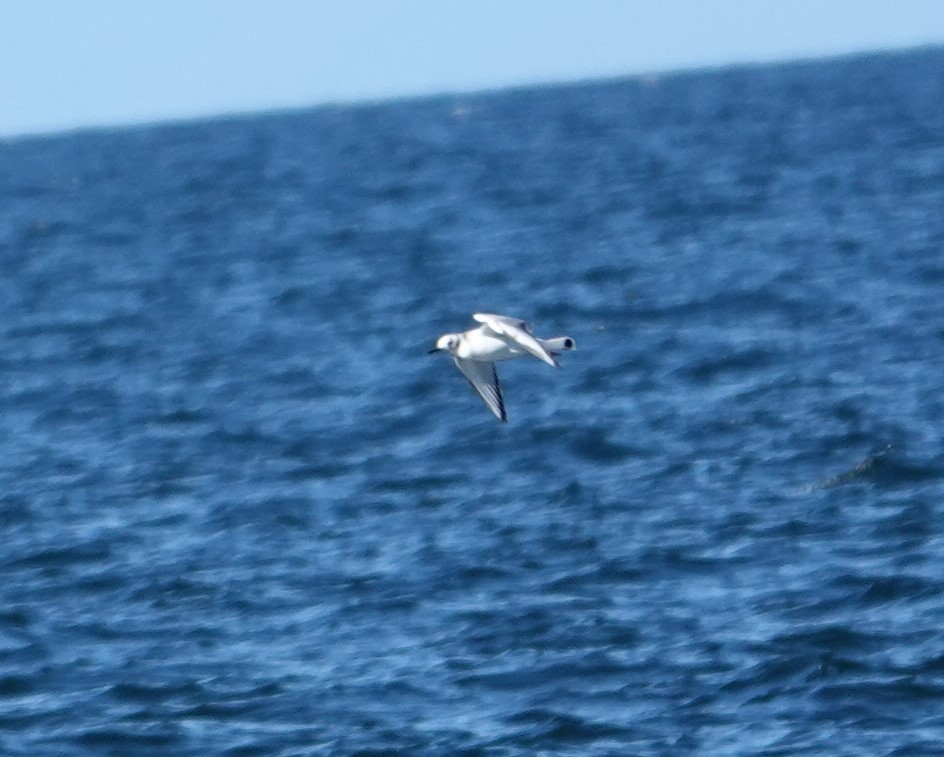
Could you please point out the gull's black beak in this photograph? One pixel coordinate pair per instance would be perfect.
(435, 349)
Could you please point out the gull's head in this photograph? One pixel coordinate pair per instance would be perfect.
(446, 343)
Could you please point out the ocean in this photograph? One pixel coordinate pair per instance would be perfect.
(243, 512)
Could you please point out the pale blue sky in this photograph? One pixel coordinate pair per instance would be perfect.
(101, 62)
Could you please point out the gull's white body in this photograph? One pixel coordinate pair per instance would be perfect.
(479, 345)
(500, 337)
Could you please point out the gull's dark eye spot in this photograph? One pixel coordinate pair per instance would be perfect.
(569, 344)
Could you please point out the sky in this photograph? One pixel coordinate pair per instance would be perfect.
(67, 65)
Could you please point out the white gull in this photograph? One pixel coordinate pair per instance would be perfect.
(498, 338)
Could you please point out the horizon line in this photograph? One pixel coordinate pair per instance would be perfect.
(369, 101)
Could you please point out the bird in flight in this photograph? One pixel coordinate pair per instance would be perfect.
(499, 337)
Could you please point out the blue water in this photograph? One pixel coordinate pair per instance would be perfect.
(242, 511)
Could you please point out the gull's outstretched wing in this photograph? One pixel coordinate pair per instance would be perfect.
(487, 318)
(484, 379)
(517, 331)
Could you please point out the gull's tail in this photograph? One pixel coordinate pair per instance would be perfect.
(558, 344)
